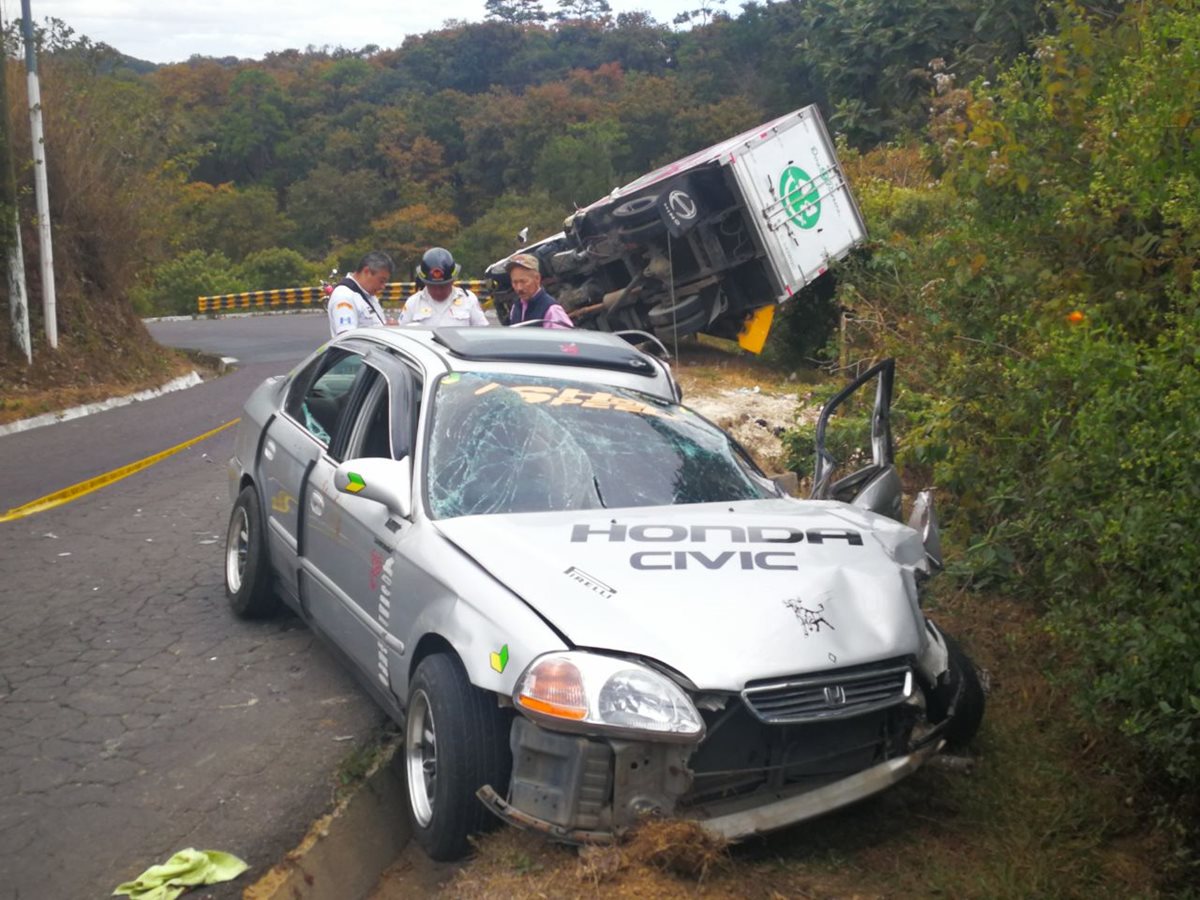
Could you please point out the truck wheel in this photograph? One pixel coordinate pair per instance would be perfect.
(636, 211)
(247, 568)
(963, 690)
(684, 308)
(455, 742)
(683, 326)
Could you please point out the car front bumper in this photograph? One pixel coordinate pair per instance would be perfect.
(743, 817)
(582, 790)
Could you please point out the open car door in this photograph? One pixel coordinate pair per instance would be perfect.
(876, 485)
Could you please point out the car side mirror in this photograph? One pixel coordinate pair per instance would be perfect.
(923, 520)
(386, 481)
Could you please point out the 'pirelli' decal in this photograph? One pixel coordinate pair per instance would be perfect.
(591, 582)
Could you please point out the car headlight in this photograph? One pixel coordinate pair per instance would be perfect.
(589, 692)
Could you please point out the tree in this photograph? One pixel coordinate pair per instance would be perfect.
(517, 12)
(410, 231)
(251, 127)
(577, 167)
(494, 235)
(704, 13)
(331, 205)
(232, 221)
(583, 9)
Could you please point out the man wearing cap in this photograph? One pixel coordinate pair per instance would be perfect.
(440, 302)
(533, 303)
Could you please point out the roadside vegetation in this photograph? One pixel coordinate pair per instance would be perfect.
(1030, 176)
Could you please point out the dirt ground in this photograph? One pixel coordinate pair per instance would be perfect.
(747, 398)
(755, 418)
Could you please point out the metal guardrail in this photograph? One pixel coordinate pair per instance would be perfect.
(394, 291)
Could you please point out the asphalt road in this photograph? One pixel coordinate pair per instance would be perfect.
(137, 716)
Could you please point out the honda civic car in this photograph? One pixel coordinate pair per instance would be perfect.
(584, 602)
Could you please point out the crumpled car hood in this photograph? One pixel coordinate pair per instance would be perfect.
(724, 593)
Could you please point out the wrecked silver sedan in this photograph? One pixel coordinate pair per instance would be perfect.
(583, 601)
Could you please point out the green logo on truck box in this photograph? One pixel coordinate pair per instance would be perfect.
(800, 197)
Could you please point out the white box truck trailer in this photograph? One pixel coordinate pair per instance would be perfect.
(710, 243)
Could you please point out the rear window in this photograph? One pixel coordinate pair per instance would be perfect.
(504, 443)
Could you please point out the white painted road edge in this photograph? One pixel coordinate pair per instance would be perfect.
(176, 384)
(192, 317)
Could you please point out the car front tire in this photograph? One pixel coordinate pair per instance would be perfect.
(455, 741)
(962, 691)
(247, 569)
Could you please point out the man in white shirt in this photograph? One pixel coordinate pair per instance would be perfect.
(440, 302)
(353, 303)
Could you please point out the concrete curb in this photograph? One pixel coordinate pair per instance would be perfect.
(222, 364)
(191, 317)
(176, 384)
(346, 851)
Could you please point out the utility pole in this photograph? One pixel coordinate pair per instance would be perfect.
(40, 189)
(10, 227)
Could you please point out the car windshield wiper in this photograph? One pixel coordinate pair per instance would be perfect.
(599, 496)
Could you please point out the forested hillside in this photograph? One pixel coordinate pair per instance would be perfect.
(264, 173)
(1029, 172)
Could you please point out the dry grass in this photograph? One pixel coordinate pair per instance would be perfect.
(705, 363)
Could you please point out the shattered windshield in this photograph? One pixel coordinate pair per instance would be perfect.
(515, 443)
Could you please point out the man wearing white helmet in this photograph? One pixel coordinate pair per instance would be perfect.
(440, 302)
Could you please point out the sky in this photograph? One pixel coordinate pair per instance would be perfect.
(172, 30)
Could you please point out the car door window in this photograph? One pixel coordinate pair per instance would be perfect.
(370, 435)
(384, 424)
(320, 395)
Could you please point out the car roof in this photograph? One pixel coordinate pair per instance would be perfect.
(591, 349)
(520, 349)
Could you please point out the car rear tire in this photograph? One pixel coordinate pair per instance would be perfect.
(247, 568)
(455, 742)
(962, 691)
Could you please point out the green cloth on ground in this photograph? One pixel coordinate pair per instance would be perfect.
(187, 868)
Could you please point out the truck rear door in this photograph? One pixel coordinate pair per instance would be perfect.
(796, 196)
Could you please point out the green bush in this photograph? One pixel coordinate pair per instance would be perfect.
(1044, 298)
(1090, 510)
(278, 267)
(176, 284)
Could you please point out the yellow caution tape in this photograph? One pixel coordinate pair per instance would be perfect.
(75, 491)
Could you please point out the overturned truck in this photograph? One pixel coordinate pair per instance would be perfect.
(711, 243)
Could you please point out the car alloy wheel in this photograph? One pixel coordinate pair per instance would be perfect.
(247, 564)
(455, 742)
(420, 750)
(237, 546)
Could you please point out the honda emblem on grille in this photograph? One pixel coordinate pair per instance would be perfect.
(835, 695)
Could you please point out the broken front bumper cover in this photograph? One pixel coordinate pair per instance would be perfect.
(743, 817)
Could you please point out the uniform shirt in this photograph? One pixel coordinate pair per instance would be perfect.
(350, 309)
(460, 308)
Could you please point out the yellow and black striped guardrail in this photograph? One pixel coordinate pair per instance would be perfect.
(394, 291)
